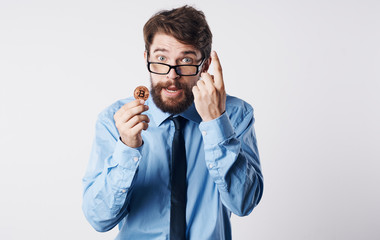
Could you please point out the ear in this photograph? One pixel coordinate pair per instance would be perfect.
(206, 65)
(145, 55)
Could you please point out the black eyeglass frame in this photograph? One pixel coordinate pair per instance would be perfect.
(175, 68)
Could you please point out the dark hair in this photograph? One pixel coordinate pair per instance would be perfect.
(186, 24)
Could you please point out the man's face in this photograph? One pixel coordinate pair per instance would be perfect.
(173, 93)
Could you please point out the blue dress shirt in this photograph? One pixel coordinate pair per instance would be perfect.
(131, 186)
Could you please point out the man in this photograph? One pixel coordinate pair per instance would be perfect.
(177, 165)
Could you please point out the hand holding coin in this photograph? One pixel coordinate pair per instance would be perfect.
(130, 121)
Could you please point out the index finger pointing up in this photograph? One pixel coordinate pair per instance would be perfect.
(218, 75)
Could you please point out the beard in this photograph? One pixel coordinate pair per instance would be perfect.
(172, 106)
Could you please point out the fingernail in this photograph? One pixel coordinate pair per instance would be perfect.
(213, 54)
(142, 101)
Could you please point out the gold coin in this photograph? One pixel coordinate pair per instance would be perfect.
(141, 92)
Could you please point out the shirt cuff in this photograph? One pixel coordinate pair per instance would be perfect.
(127, 157)
(216, 130)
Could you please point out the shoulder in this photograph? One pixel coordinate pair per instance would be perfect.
(237, 106)
(238, 110)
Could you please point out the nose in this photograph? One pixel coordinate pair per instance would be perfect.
(172, 74)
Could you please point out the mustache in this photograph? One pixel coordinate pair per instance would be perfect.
(167, 84)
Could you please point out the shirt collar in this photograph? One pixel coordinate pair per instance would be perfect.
(159, 116)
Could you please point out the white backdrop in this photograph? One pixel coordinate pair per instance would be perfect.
(309, 68)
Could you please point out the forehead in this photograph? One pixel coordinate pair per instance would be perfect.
(168, 44)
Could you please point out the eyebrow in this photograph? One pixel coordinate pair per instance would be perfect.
(160, 50)
(189, 52)
(184, 52)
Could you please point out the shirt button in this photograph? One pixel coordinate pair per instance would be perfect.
(123, 190)
(210, 165)
(204, 133)
(135, 159)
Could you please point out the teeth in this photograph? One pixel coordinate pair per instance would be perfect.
(171, 90)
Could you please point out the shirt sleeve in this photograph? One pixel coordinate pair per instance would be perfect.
(109, 177)
(232, 159)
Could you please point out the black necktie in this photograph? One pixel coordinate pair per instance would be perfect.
(178, 182)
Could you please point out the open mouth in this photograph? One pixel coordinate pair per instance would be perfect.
(172, 91)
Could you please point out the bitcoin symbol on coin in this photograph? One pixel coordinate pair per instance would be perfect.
(141, 92)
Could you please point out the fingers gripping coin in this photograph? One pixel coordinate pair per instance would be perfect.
(130, 121)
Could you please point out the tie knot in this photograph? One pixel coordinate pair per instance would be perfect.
(179, 122)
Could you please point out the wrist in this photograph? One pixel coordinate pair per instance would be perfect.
(131, 144)
(213, 116)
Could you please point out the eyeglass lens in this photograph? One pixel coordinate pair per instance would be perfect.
(181, 70)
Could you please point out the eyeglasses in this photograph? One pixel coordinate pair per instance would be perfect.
(181, 70)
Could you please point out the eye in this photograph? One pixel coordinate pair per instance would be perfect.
(161, 58)
(187, 60)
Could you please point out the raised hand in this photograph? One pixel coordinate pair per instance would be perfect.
(209, 93)
(130, 122)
